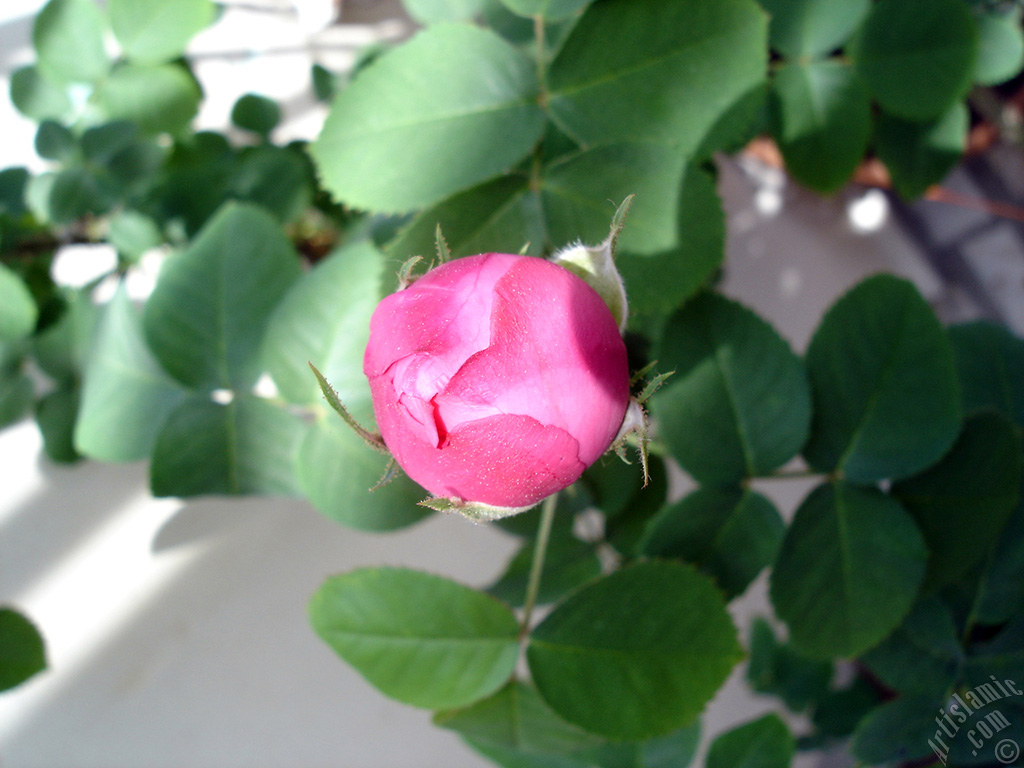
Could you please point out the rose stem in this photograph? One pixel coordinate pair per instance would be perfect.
(547, 516)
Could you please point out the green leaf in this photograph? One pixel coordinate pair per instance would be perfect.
(778, 669)
(990, 362)
(738, 404)
(808, 29)
(839, 711)
(70, 194)
(18, 313)
(962, 503)
(157, 31)
(1001, 593)
(451, 108)
(660, 282)
(22, 653)
(516, 718)
(160, 98)
(16, 397)
(244, 446)
(656, 70)
(917, 57)
(133, 233)
(68, 38)
(922, 656)
(336, 471)
(568, 564)
(673, 751)
(256, 113)
(56, 414)
(636, 654)
(13, 182)
(498, 216)
(824, 122)
(63, 348)
(206, 317)
(55, 142)
(848, 572)
(433, 11)
(419, 638)
(325, 319)
(762, 743)
(277, 178)
(580, 194)
(1000, 47)
(126, 396)
(898, 732)
(921, 154)
(550, 10)
(885, 392)
(730, 534)
(36, 97)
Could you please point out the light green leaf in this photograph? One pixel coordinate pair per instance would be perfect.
(433, 11)
(498, 216)
(245, 446)
(762, 743)
(550, 10)
(63, 348)
(824, 122)
(636, 654)
(157, 31)
(206, 317)
(68, 38)
(336, 472)
(738, 404)
(990, 363)
(962, 503)
(581, 192)
(808, 29)
(161, 98)
(1000, 48)
(22, 653)
(848, 572)
(656, 70)
(133, 233)
(18, 312)
(325, 319)
(126, 395)
(447, 110)
(36, 97)
(419, 638)
(917, 57)
(659, 283)
(885, 391)
(730, 534)
(921, 154)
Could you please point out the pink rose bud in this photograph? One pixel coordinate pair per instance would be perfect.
(496, 379)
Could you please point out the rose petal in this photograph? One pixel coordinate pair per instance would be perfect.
(576, 380)
(445, 315)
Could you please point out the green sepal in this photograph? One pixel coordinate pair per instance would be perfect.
(372, 439)
(476, 511)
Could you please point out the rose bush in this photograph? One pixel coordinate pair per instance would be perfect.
(496, 379)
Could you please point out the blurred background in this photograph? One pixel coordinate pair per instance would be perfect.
(176, 631)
